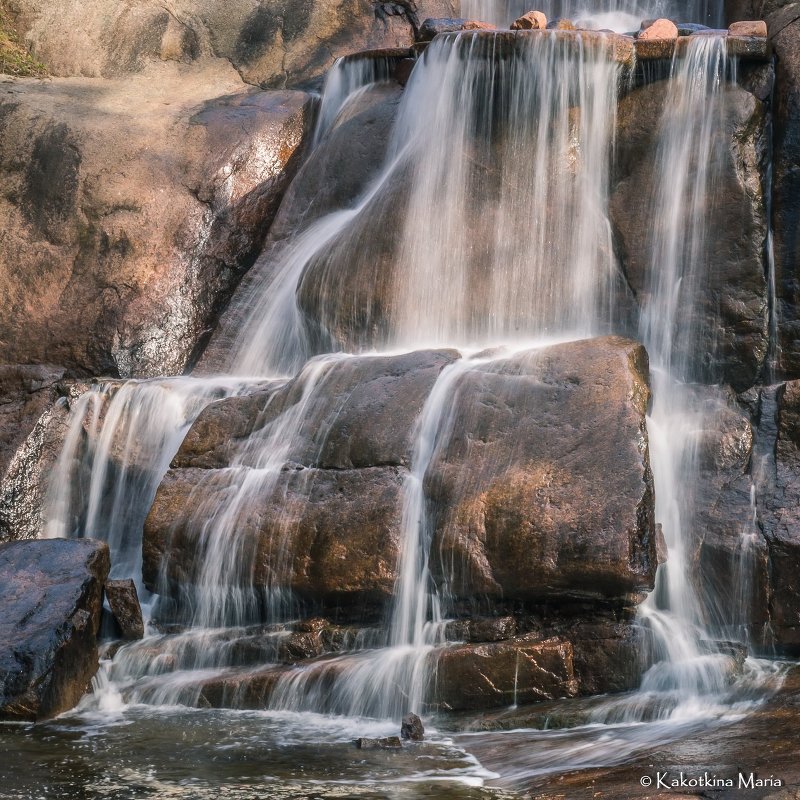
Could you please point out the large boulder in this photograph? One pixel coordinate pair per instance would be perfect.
(274, 43)
(328, 526)
(559, 428)
(784, 31)
(140, 202)
(545, 472)
(51, 594)
(724, 330)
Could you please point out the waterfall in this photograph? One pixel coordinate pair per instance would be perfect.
(503, 212)
(346, 78)
(687, 164)
(121, 439)
(617, 15)
(487, 226)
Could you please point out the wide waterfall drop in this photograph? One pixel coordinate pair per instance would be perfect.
(519, 243)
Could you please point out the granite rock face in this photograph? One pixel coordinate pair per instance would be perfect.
(51, 595)
(131, 208)
(274, 44)
(724, 337)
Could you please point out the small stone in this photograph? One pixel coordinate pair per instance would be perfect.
(386, 743)
(412, 728)
(660, 29)
(532, 21)
(755, 27)
(123, 601)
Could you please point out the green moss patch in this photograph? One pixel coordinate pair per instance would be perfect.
(14, 58)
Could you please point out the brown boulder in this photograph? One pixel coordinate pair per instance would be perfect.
(522, 670)
(660, 29)
(51, 596)
(330, 535)
(545, 473)
(139, 201)
(123, 600)
(532, 21)
(749, 28)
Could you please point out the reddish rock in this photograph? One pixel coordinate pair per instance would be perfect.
(749, 28)
(660, 29)
(532, 21)
(522, 670)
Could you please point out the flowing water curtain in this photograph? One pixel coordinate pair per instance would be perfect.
(618, 15)
(345, 80)
(690, 156)
(121, 439)
(489, 220)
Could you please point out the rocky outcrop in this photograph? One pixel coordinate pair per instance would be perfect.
(333, 516)
(34, 418)
(523, 670)
(51, 596)
(334, 177)
(541, 471)
(518, 485)
(778, 504)
(725, 309)
(273, 44)
(140, 202)
(784, 32)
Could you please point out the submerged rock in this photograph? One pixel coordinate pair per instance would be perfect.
(51, 600)
(386, 743)
(412, 728)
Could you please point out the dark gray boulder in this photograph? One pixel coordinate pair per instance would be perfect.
(51, 596)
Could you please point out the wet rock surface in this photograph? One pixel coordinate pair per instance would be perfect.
(124, 603)
(51, 596)
(491, 675)
(728, 310)
(784, 34)
(518, 486)
(412, 728)
(140, 202)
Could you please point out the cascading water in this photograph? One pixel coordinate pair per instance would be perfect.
(510, 137)
(118, 448)
(529, 189)
(688, 161)
(346, 79)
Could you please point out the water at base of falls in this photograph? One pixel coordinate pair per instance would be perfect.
(552, 274)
